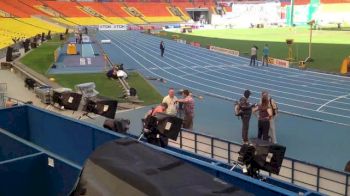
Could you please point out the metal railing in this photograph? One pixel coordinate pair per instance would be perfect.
(314, 177)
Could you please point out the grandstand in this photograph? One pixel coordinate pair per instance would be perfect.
(22, 19)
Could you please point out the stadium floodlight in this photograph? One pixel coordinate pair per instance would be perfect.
(311, 23)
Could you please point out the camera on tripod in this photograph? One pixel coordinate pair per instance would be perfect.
(159, 128)
(260, 155)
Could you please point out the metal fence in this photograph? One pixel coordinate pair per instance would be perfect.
(317, 178)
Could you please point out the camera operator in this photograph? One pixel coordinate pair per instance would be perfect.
(243, 109)
(150, 124)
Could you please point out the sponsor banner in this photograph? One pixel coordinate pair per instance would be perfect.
(279, 62)
(195, 44)
(113, 27)
(224, 50)
(181, 41)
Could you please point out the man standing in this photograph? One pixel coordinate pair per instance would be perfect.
(253, 55)
(171, 99)
(188, 107)
(274, 108)
(162, 48)
(266, 53)
(244, 109)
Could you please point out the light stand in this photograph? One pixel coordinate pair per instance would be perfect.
(311, 23)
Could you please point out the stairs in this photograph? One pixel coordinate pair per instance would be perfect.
(132, 11)
(92, 12)
(111, 10)
(54, 22)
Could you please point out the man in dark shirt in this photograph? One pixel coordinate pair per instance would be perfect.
(244, 109)
(162, 48)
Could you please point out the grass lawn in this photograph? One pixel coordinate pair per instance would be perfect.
(145, 90)
(328, 50)
(40, 59)
(112, 88)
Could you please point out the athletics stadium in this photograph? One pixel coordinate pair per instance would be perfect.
(80, 81)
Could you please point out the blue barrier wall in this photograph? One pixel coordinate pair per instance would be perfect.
(33, 176)
(15, 120)
(75, 140)
(10, 149)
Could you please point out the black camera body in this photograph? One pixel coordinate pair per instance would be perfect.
(161, 127)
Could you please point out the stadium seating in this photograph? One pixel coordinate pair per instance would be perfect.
(23, 28)
(68, 9)
(152, 9)
(100, 8)
(12, 10)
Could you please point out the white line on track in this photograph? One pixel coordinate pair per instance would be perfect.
(282, 70)
(241, 78)
(254, 72)
(215, 95)
(274, 70)
(330, 101)
(127, 45)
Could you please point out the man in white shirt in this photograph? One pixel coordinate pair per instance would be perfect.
(253, 57)
(171, 99)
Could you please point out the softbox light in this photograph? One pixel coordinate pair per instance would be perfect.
(106, 108)
(71, 101)
(169, 125)
(268, 156)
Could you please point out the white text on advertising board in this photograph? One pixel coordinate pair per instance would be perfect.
(116, 27)
(279, 62)
(224, 50)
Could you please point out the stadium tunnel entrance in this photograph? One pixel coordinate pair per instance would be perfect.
(201, 15)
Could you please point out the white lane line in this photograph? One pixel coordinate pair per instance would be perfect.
(201, 84)
(330, 101)
(212, 94)
(280, 70)
(177, 56)
(210, 58)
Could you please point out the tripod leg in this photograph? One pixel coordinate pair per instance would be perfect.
(141, 135)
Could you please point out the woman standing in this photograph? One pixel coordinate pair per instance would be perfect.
(264, 114)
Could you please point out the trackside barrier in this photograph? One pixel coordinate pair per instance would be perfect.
(195, 44)
(317, 178)
(71, 141)
(224, 50)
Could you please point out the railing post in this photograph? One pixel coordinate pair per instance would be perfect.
(195, 143)
(347, 184)
(180, 139)
(228, 153)
(212, 147)
(293, 171)
(318, 179)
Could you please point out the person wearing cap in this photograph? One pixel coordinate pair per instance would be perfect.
(243, 109)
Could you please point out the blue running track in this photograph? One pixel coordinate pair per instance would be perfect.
(315, 107)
